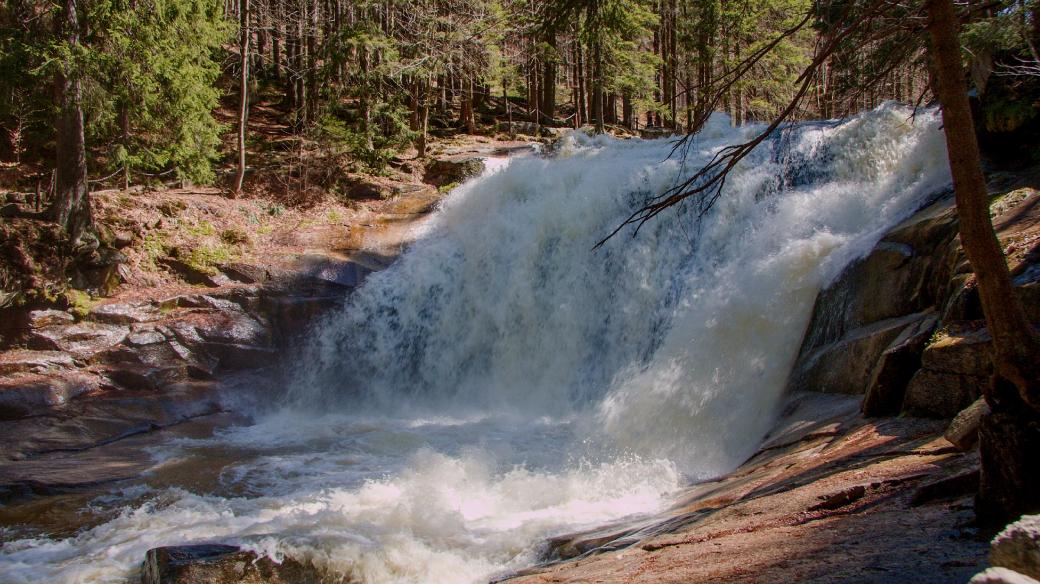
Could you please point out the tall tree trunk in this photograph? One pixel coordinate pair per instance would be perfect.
(71, 205)
(276, 41)
(549, 67)
(466, 112)
(260, 24)
(582, 105)
(627, 111)
(312, 61)
(597, 86)
(1010, 482)
(124, 127)
(300, 65)
(365, 101)
(424, 117)
(243, 94)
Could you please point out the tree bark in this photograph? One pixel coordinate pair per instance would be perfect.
(424, 118)
(243, 97)
(549, 68)
(1015, 351)
(71, 205)
(597, 87)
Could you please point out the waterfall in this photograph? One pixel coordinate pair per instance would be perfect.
(674, 344)
(504, 381)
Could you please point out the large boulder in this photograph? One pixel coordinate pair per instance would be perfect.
(906, 273)
(222, 564)
(447, 171)
(955, 368)
(870, 307)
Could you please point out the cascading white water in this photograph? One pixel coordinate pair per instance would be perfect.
(504, 381)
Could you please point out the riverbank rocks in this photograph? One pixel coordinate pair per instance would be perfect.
(896, 367)
(222, 564)
(847, 365)
(25, 361)
(124, 313)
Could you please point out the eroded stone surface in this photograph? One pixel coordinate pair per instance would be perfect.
(895, 368)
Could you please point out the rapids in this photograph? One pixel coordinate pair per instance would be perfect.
(503, 382)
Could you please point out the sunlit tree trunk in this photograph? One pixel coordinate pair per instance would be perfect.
(1010, 483)
(71, 205)
(243, 94)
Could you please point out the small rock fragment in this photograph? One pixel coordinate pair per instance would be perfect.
(1018, 547)
(1001, 576)
(964, 429)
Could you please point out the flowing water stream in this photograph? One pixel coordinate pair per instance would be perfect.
(503, 382)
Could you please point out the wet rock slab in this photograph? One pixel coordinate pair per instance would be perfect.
(828, 498)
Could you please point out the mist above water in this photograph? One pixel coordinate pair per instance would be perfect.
(503, 381)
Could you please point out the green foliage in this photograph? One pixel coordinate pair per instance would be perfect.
(371, 149)
(204, 257)
(156, 63)
(79, 302)
(148, 69)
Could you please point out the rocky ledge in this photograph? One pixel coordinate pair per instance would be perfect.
(128, 368)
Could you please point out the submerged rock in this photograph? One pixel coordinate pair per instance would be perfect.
(221, 564)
